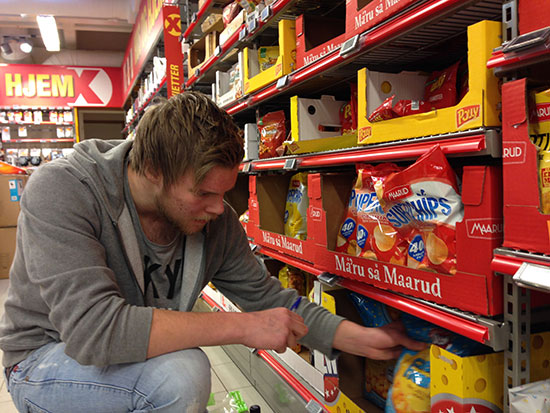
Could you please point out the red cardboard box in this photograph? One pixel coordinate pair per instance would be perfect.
(533, 15)
(361, 15)
(317, 36)
(266, 209)
(525, 226)
(473, 288)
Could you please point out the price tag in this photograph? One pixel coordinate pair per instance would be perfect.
(349, 46)
(266, 13)
(246, 167)
(197, 72)
(328, 279)
(252, 25)
(242, 33)
(218, 51)
(194, 17)
(533, 276)
(282, 82)
(291, 164)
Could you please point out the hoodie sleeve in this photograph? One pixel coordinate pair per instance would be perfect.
(60, 229)
(244, 279)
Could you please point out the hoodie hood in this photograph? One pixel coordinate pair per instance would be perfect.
(91, 158)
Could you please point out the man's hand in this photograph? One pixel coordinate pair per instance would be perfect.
(381, 343)
(274, 329)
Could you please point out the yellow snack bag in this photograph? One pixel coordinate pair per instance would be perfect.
(539, 133)
(410, 392)
(267, 56)
(297, 203)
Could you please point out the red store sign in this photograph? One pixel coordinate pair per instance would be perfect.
(39, 85)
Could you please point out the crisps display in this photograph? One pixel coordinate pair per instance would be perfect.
(365, 230)
(410, 392)
(384, 111)
(539, 133)
(272, 129)
(423, 204)
(297, 203)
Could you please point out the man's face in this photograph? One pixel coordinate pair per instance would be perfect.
(189, 207)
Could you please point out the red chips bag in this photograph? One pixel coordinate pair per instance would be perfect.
(365, 231)
(410, 107)
(384, 111)
(423, 204)
(440, 91)
(272, 128)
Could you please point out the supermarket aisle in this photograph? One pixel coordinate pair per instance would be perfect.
(226, 376)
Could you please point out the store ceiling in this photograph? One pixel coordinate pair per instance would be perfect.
(92, 32)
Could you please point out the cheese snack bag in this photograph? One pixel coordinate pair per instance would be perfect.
(423, 204)
(297, 203)
(539, 133)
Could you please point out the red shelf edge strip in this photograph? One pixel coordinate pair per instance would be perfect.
(467, 144)
(439, 317)
(289, 378)
(296, 262)
(203, 9)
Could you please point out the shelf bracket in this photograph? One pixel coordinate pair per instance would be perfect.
(328, 279)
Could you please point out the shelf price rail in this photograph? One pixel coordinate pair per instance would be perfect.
(480, 329)
(275, 10)
(478, 142)
(353, 48)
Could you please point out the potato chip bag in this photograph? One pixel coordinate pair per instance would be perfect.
(297, 203)
(423, 204)
(272, 128)
(410, 392)
(440, 90)
(364, 215)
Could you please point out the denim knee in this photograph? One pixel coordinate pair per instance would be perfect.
(175, 382)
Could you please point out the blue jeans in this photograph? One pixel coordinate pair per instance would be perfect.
(50, 381)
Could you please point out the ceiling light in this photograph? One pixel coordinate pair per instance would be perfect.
(48, 31)
(25, 45)
(5, 47)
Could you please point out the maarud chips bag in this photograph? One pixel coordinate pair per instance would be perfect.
(423, 204)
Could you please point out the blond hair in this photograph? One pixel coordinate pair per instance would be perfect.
(187, 132)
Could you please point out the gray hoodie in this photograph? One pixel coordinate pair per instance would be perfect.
(77, 276)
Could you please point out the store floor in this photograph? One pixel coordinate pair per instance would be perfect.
(226, 376)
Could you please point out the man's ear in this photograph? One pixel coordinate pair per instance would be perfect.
(153, 176)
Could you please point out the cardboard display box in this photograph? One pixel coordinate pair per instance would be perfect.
(201, 50)
(229, 85)
(315, 118)
(526, 227)
(7, 250)
(254, 79)
(478, 108)
(11, 188)
(533, 15)
(317, 36)
(473, 288)
(266, 208)
(361, 15)
(467, 384)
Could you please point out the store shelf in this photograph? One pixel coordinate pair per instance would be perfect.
(525, 50)
(198, 17)
(408, 43)
(240, 38)
(38, 124)
(138, 113)
(483, 330)
(469, 143)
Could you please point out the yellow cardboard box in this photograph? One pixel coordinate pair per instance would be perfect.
(479, 107)
(11, 188)
(463, 383)
(255, 79)
(7, 250)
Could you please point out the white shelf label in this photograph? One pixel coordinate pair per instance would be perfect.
(533, 276)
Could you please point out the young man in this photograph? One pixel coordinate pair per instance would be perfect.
(115, 244)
